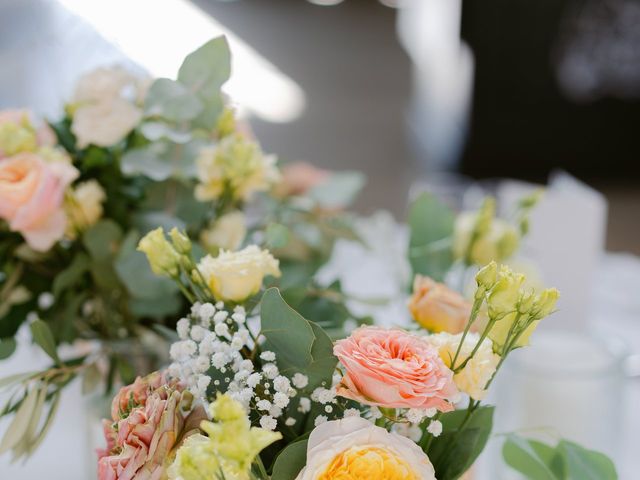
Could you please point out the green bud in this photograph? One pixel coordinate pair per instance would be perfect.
(485, 216)
(180, 241)
(529, 201)
(504, 296)
(546, 302)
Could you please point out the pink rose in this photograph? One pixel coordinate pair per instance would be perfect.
(150, 418)
(31, 196)
(394, 369)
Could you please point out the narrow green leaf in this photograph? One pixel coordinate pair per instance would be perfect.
(43, 336)
(20, 422)
(13, 379)
(7, 347)
(55, 403)
(90, 379)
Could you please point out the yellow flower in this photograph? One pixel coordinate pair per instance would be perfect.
(504, 295)
(230, 446)
(235, 276)
(354, 449)
(480, 238)
(180, 241)
(163, 258)
(473, 378)
(235, 164)
(226, 232)
(17, 137)
(438, 308)
(83, 206)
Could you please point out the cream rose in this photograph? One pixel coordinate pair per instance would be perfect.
(84, 206)
(104, 107)
(354, 448)
(478, 371)
(227, 232)
(235, 276)
(31, 197)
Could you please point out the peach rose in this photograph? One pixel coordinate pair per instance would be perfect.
(31, 197)
(300, 177)
(438, 308)
(392, 368)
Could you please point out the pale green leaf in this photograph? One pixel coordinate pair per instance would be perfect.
(55, 403)
(13, 379)
(533, 463)
(20, 423)
(339, 190)
(172, 101)
(277, 235)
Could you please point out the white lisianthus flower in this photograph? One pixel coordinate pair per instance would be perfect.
(84, 206)
(474, 376)
(227, 232)
(235, 276)
(104, 107)
(354, 448)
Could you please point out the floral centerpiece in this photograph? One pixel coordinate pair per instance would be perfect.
(382, 403)
(76, 196)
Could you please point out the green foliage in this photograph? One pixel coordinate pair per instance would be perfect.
(463, 438)
(203, 72)
(431, 225)
(7, 347)
(162, 160)
(566, 461)
(43, 336)
(290, 461)
(171, 100)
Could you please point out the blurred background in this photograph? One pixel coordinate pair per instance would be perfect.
(445, 95)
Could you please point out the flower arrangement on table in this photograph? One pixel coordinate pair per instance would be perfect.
(77, 195)
(285, 402)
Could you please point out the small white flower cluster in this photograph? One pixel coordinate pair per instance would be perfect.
(214, 337)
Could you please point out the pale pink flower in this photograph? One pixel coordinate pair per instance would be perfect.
(136, 394)
(31, 197)
(394, 369)
(300, 177)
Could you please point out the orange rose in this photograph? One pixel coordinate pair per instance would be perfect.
(438, 308)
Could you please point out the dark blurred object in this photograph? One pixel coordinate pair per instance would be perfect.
(524, 123)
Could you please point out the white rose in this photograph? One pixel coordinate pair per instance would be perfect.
(355, 448)
(102, 83)
(227, 232)
(105, 123)
(235, 276)
(474, 376)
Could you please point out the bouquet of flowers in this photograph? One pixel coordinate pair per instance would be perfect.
(284, 401)
(76, 196)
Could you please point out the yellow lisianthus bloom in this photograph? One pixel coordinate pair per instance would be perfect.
(163, 258)
(230, 447)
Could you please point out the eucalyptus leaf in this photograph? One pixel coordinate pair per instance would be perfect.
(172, 101)
(162, 160)
(431, 229)
(43, 336)
(102, 239)
(462, 440)
(154, 131)
(71, 275)
(324, 362)
(20, 423)
(277, 235)
(204, 71)
(287, 333)
(533, 460)
(583, 464)
(290, 461)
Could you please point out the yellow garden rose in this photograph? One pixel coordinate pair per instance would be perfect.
(235, 276)
(354, 449)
